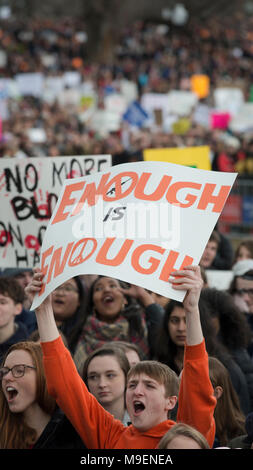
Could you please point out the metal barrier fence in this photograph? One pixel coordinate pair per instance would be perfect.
(236, 219)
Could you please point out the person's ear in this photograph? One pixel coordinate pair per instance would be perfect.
(171, 402)
(124, 303)
(18, 308)
(218, 391)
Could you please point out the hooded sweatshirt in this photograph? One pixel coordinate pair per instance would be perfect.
(100, 430)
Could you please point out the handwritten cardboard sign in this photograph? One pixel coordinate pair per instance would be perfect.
(29, 189)
(136, 222)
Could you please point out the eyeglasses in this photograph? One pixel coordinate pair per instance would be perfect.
(65, 289)
(17, 371)
(245, 291)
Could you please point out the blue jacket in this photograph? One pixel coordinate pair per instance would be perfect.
(21, 334)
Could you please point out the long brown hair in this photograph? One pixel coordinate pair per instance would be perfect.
(229, 418)
(14, 432)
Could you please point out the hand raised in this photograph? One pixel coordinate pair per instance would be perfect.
(188, 279)
(34, 287)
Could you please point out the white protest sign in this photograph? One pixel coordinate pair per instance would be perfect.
(37, 135)
(228, 99)
(243, 121)
(69, 97)
(115, 103)
(152, 101)
(129, 90)
(29, 189)
(181, 102)
(219, 279)
(72, 79)
(4, 88)
(13, 88)
(201, 115)
(48, 60)
(30, 84)
(157, 106)
(136, 222)
(104, 121)
(52, 87)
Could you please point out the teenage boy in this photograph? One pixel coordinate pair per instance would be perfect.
(150, 393)
(210, 251)
(23, 276)
(11, 300)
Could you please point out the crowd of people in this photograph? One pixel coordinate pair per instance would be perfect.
(102, 364)
(156, 58)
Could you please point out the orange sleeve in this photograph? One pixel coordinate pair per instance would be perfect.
(196, 402)
(97, 428)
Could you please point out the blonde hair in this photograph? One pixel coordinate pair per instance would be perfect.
(181, 429)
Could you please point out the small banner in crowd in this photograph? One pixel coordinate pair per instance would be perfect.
(197, 157)
(29, 189)
(135, 114)
(136, 222)
(200, 84)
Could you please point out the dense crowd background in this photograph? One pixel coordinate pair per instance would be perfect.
(155, 58)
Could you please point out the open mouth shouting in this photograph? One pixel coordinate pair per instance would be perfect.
(139, 407)
(11, 393)
(108, 299)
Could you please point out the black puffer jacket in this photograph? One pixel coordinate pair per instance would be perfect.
(59, 434)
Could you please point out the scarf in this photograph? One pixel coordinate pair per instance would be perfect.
(97, 333)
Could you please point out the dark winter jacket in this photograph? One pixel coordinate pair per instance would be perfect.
(21, 334)
(154, 318)
(245, 362)
(239, 383)
(59, 434)
(28, 318)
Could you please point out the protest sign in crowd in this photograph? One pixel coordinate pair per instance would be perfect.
(134, 329)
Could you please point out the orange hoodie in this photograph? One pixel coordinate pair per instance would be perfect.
(100, 430)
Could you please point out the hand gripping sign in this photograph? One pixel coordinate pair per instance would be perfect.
(136, 222)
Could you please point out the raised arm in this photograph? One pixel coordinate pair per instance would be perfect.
(44, 313)
(196, 401)
(96, 426)
(190, 279)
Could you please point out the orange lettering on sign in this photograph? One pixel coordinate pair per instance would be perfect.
(90, 193)
(154, 262)
(169, 265)
(66, 201)
(218, 201)
(56, 262)
(79, 258)
(159, 191)
(119, 258)
(171, 195)
(118, 189)
(44, 267)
